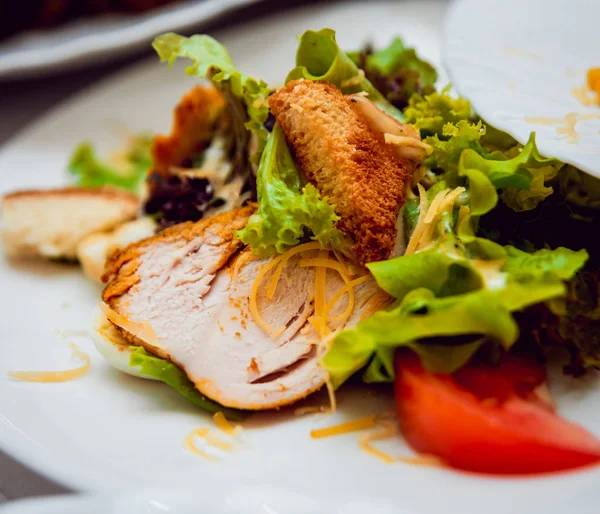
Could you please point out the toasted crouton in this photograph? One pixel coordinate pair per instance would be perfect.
(50, 223)
(194, 118)
(347, 160)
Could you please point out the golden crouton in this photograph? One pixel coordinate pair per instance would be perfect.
(194, 119)
(348, 162)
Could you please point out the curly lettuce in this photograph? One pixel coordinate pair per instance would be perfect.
(429, 113)
(288, 209)
(168, 373)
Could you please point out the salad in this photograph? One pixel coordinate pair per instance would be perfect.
(357, 222)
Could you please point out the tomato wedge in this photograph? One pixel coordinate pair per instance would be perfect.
(488, 420)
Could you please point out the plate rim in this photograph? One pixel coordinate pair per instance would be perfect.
(27, 63)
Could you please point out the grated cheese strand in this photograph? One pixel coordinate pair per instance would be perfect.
(344, 428)
(191, 446)
(223, 425)
(348, 288)
(434, 208)
(432, 214)
(451, 198)
(320, 294)
(342, 262)
(463, 212)
(55, 376)
(422, 460)
(389, 430)
(253, 300)
(312, 409)
(215, 442)
(326, 263)
(420, 227)
(143, 331)
(315, 245)
(411, 142)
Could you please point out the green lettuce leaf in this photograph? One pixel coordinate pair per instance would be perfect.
(174, 377)
(287, 208)
(421, 320)
(246, 96)
(429, 113)
(320, 58)
(129, 173)
(560, 263)
(463, 135)
(528, 199)
(504, 172)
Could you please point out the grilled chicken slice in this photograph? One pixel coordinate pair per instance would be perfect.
(193, 286)
(340, 145)
(50, 223)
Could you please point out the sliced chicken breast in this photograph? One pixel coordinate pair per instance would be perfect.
(195, 293)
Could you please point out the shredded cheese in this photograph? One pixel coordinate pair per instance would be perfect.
(285, 259)
(542, 120)
(322, 262)
(420, 227)
(143, 331)
(55, 376)
(312, 409)
(594, 116)
(344, 428)
(431, 219)
(570, 122)
(253, 300)
(190, 444)
(422, 460)
(422, 235)
(320, 297)
(326, 263)
(411, 142)
(584, 95)
(214, 441)
(451, 198)
(389, 430)
(348, 288)
(224, 426)
(463, 212)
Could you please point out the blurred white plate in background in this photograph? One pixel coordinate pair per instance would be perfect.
(518, 62)
(100, 38)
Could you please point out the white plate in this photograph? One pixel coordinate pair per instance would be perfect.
(223, 499)
(99, 38)
(109, 431)
(521, 58)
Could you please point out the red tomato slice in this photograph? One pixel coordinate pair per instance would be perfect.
(514, 375)
(507, 435)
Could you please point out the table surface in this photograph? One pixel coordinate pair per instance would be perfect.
(21, 102)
